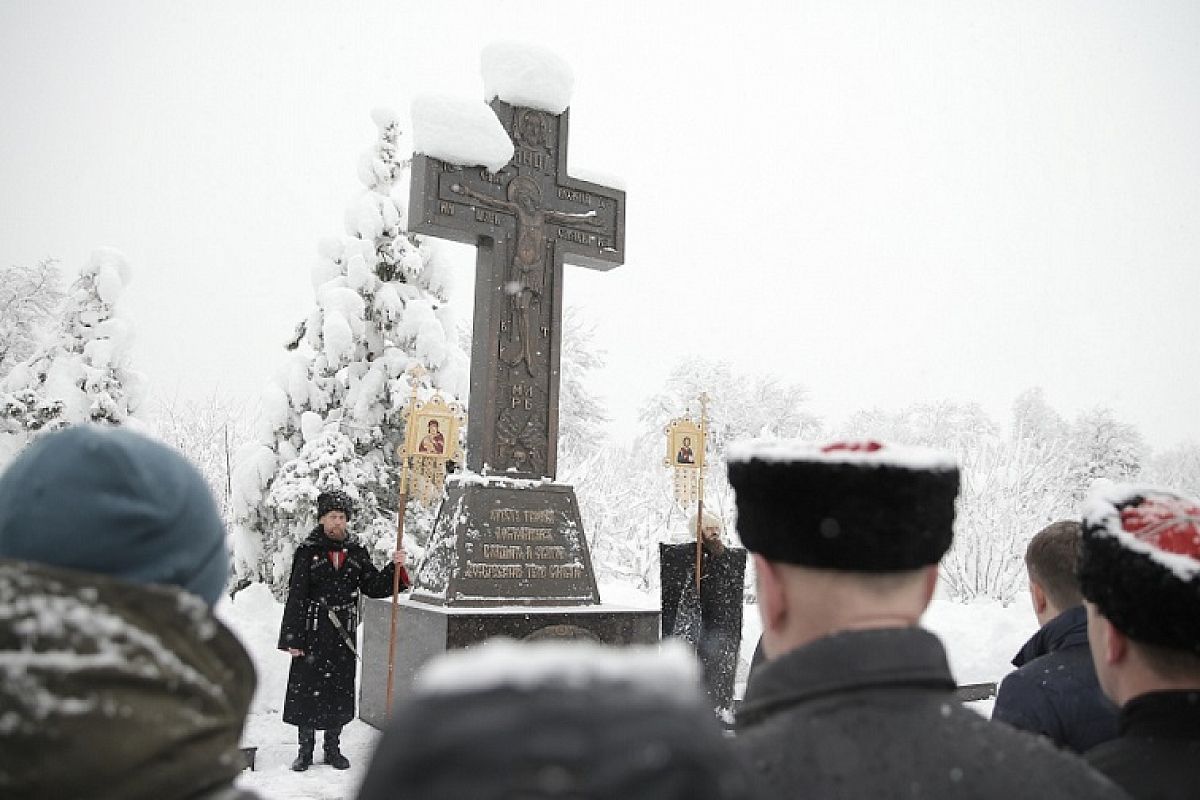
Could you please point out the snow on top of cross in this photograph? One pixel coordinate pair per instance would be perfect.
(1144, 518)
(464, 132)
(109, 268)
(526, 75)
(865, 453)
(670, 670)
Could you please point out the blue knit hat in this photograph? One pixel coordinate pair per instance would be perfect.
(111, 501)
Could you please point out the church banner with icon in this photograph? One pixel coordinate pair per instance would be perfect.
(432, 440)
(685, 455)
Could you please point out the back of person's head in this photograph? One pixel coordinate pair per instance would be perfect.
(1052, 559)
(844, 535)
(119, 681)
(858, 507)
(556, 721)
(111, 501)
(1140, 568)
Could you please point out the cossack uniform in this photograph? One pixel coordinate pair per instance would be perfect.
(320, 619)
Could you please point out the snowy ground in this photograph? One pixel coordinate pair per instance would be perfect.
(980, 637)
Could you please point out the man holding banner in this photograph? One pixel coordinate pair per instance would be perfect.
(329, 570)
(713, 621)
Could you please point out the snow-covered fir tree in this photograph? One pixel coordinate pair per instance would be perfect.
(82, 373)
(335, 413)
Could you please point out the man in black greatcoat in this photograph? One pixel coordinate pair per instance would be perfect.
(319, 620)
(714, 624)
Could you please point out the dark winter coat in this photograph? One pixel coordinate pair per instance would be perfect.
(719, 638)
(873, 714)
(320, 691)
(1157, 754)
(110, 689)
(1054, 691)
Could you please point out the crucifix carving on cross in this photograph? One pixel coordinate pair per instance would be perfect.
(527, 273)
(526, 221)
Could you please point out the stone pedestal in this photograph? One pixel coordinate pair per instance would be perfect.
(424, 631)
(503, 541)
(507, 558)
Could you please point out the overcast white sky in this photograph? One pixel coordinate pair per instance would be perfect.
(887, 202)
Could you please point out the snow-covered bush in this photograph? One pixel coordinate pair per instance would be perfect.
(1014, 483)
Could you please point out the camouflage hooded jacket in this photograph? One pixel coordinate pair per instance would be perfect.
(111, 689)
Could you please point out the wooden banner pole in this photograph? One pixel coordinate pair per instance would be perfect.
(401, 512)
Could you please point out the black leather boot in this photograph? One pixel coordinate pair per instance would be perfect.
(308, 740)
(333, 753)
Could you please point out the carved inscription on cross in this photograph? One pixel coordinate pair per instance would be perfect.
(525, 220)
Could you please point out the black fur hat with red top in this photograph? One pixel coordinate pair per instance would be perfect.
(850, 506)
(336, 500)
(1141, 563)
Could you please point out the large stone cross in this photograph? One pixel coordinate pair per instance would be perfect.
(526, 220)
(507, 557)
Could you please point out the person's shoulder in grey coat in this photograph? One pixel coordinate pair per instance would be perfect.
(855, 699)
(873, 714)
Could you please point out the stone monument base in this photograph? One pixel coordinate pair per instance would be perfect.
(424, 631)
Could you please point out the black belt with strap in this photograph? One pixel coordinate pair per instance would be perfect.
(337, 623)
(344, 607)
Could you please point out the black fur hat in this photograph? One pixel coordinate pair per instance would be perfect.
(1141, 563)
(336, 500)
(855, 507)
